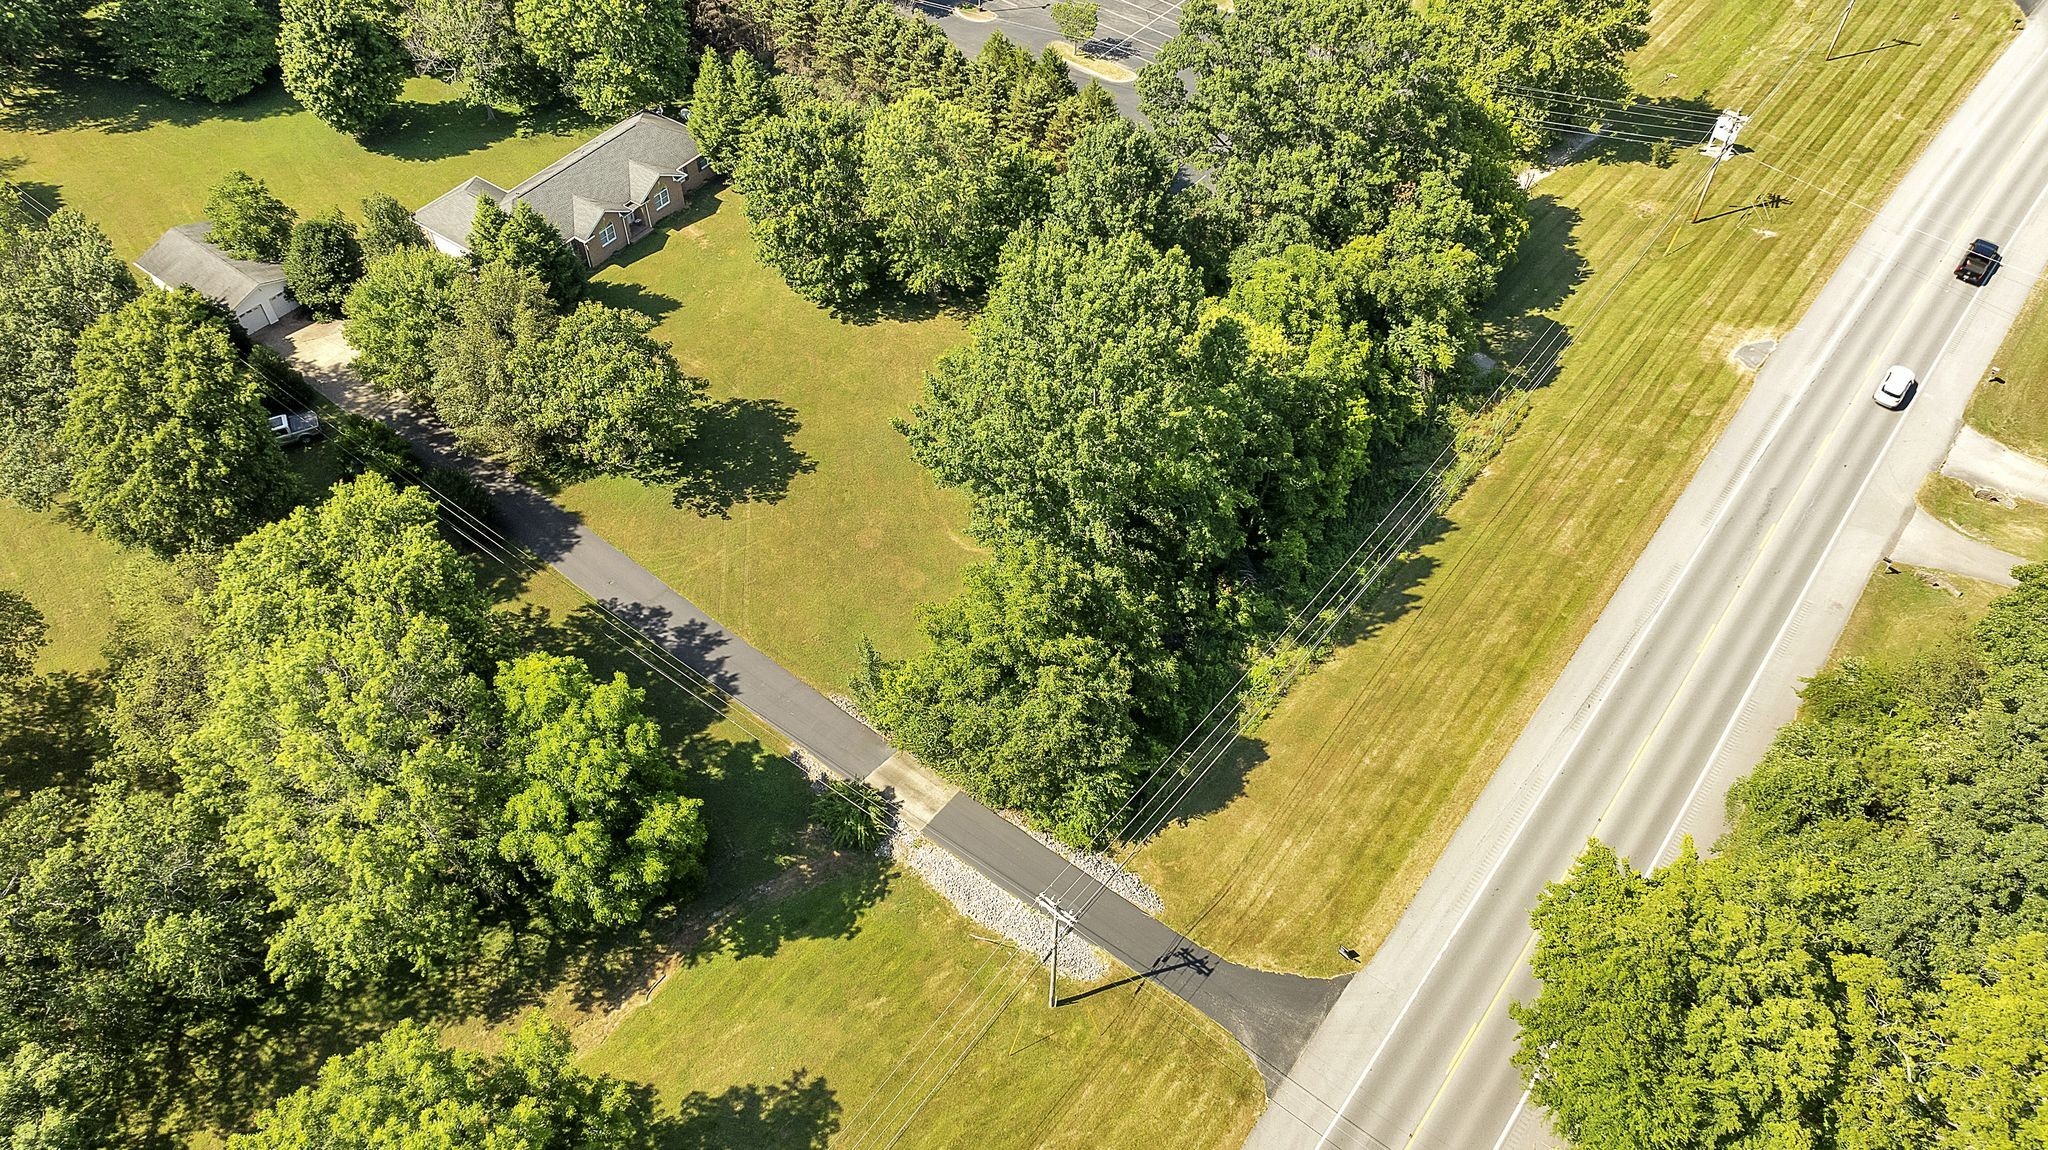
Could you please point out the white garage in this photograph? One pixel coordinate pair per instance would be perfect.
(253, 290)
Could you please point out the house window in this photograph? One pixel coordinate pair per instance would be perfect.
(660, 198)
(608, 236)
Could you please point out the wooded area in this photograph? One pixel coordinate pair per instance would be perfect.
(1862, 962)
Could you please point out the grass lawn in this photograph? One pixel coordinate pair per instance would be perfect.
(2020, 530)
(67, 572)
(787, 1024)
(2015, 412)
(1335, 813)
(1905, 611)
(138, 161)
(832, 531)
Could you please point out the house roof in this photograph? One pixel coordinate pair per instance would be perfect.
(616, 169)
(182, 257)
(450, 216)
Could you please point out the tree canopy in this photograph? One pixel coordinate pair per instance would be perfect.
(388, 226)
(56, 279)
(341, 61)
(395, 311)
(407, 1089)
(801, 177)
(388, 780)
(613, 57)
(1312, 119)
(248, 222)
(1861, 963)
(170, 446)
(215, 50)
(322, 262)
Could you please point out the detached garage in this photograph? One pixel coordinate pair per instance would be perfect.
(253, 290)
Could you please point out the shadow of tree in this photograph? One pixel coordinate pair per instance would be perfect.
(830, 910)
(438, 131)
(50, 734)
(799, 1113)
(744, 451)
(104, 104)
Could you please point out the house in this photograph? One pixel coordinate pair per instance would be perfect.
(601, 197)
(253, 291)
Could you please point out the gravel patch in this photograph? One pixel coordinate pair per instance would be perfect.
(982, 900)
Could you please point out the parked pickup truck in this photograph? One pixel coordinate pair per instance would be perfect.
(295, 427)
(1978, 263)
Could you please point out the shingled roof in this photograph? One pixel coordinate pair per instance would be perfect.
(453, 213)
(609, 174)
(182, 256)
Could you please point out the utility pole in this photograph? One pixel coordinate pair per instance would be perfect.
(1720, 145)
(1838, 31)
(1061, 921)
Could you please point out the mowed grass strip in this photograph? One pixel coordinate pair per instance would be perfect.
(138, 161)
(1905, 611)
(2019, 528)
(1328, 821)
(2013, 408)
(831, 530)
(794, 1015)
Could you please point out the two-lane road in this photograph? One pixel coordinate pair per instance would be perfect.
(1695, 663)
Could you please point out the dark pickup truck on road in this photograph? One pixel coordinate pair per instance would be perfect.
(1978, 263)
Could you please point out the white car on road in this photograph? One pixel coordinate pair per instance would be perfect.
(1896, 387)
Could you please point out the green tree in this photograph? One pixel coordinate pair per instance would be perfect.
(351, 741)
(406, 1089)
(1118, 179)
(248, 222)
(943, 192)
(55, 280)
(1025, 692)
(353, 761)
(387, 227)
(800, 179)
(1691, 1009)
(729, 99)
(1076, 20)
(1089, 411)
(485, 223)
(476, 44)
(32, 32)
(1312, 120)
(710, 111)
(524, 238)
(599, 394)
(369, 545)
(323, 261)
(214, 50)
(614, 57)
(396, 310)
(1991, 1077)
(39, 1103)
(595, 811)
(341, 62)
(477, 382)
(1558, 45)
(170, 447)
(1073, 118)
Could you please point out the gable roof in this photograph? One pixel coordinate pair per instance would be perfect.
(182, 257)
(450, 215)
(611, 172)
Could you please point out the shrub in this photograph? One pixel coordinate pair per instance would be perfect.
(853, 813)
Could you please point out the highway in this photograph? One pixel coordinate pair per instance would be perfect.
(1694, 664)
